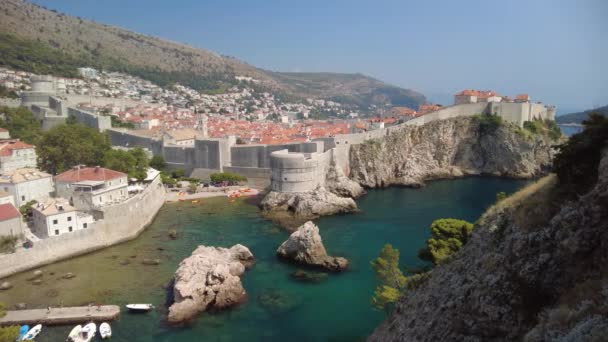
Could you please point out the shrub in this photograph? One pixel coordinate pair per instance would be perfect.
(26, 209)
(447, 237)
(488, 123)
(229, 177)
(501, 196)
(9, 334)
(7, 244)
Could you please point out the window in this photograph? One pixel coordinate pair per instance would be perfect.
(99, 199)
(70, 228)
(54, 221)
(69, 218)
(6, 189)
(23, 198)
(56, 231)
(84, 225)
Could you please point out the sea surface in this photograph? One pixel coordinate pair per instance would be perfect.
(279, 308)
(570, 130)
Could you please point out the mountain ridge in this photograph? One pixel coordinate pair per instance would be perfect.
(578, 117)
(163, 61)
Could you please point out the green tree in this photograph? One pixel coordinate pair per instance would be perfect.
(501, 196)
(9, 334)
(447, 237)
(158, 162)
(71, 120)
(178, 173)
(230, 177)
(65, 146)
(141, 163)
(21, 124)
(133, 162)
(391, 280)
(26, 209)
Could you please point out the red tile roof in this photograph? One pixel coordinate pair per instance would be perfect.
(8, 211)
(6, 148)
(89, 174)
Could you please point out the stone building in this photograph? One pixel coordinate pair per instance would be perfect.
(11, 222)
(5, 197)
(15, 154)
(56, 216)
(4, 134)
(27, 184)
(89, 188)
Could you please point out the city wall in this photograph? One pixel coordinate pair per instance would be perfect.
(119, 223)
(99, 122)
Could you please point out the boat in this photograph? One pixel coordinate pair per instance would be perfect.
(105, 330)
(87, 333)
(32, 333)
(73, 336)
(22, 331)
(140, 307)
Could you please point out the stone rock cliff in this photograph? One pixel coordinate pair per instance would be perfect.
(535, 269)
(209, 279)
(448, 148)
(306, 247)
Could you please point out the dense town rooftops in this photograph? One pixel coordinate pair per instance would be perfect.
(23, 175)
(8, 211)
(80, 174)
(7, 147)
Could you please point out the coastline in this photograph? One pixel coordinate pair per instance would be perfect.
(220, 192)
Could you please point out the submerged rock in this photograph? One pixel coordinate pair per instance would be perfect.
(69, 275)
(309, 277)
(209, 279)
(306, 247)
(151, 262)
(276, 301)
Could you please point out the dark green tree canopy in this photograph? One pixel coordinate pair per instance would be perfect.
(65, 146)
(21, 124)
(133, 162)
(447, 237)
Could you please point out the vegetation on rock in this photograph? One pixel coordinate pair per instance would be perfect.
(447, 237)
(544, 127)
(9, 334)
(488, 123)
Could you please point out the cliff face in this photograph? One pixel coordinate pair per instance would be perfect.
(449, 148)
(535, 269)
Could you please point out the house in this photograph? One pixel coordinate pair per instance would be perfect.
(475, 96)
(56, 216)
(5, 197)
(88, 188)
(27, 184)
(522, 98)
(11, 222)
(15, 154)
(4, 134)
(182, 137)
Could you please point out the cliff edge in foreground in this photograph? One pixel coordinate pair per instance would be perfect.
(450, 148)
(535, 269)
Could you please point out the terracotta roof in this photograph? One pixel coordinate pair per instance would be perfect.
(23, 175)
(8, 211)
(3, 129)
(525, 97)
(88, 174)
(6, 148)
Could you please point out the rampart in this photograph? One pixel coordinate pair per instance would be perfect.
(116, 224)
(99, 122)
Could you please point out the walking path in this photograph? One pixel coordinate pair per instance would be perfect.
(61, 316)
(172, 196)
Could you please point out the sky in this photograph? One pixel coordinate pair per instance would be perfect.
(554, 50)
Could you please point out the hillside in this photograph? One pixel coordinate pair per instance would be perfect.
(580, 116)
(63, 43)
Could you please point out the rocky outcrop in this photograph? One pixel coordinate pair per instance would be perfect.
(209, 279)
(335, 196)
(305, 246)
(449, 148)
(534, 270)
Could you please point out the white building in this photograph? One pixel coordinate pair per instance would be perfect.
(56, 216)
(89, 188)
(15, 154)
(27, 184)
(4, 134)
(88, 73)
(5, 197)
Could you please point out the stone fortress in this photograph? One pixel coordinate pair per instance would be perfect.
(292, 167)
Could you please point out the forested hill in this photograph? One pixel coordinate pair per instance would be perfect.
(580, 116)
(36, 39)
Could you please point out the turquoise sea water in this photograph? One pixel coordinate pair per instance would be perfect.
(278, 308)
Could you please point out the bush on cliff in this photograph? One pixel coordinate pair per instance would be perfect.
(488, 123)
(576, 163)
(447, 237)
(545, 127)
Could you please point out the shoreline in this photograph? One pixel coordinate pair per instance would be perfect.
(235, 191)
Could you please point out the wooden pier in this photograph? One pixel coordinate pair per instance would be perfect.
(61, 316)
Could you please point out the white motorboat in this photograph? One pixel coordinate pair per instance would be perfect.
(105, 330)
(31, 335)
(140, 307)
(73, 336)
(87, 333)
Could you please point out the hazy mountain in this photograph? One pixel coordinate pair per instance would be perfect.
(580, 116)
(37, 39)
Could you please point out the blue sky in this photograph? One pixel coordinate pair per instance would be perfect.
(555, 50)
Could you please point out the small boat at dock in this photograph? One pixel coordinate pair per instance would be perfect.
(73, 336)
(140, 307)
(31, 335)
(87, 333)
(105, 330)
(22, 331)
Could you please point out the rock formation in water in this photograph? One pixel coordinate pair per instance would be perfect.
(305, 246)
(535, 269)
(335, 196)
(449, 148)
(209, 279)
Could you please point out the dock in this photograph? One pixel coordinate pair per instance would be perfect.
(61, 316)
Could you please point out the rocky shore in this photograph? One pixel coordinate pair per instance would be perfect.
(304, 246)
(209, 279)
(450, 148)
(534, 270)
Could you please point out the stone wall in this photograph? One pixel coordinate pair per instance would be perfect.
(9, 102)
(119, 223)
(90, 119)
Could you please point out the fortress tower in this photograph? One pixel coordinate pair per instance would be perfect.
(201, 124)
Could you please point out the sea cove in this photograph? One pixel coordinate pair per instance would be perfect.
(278, 308)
